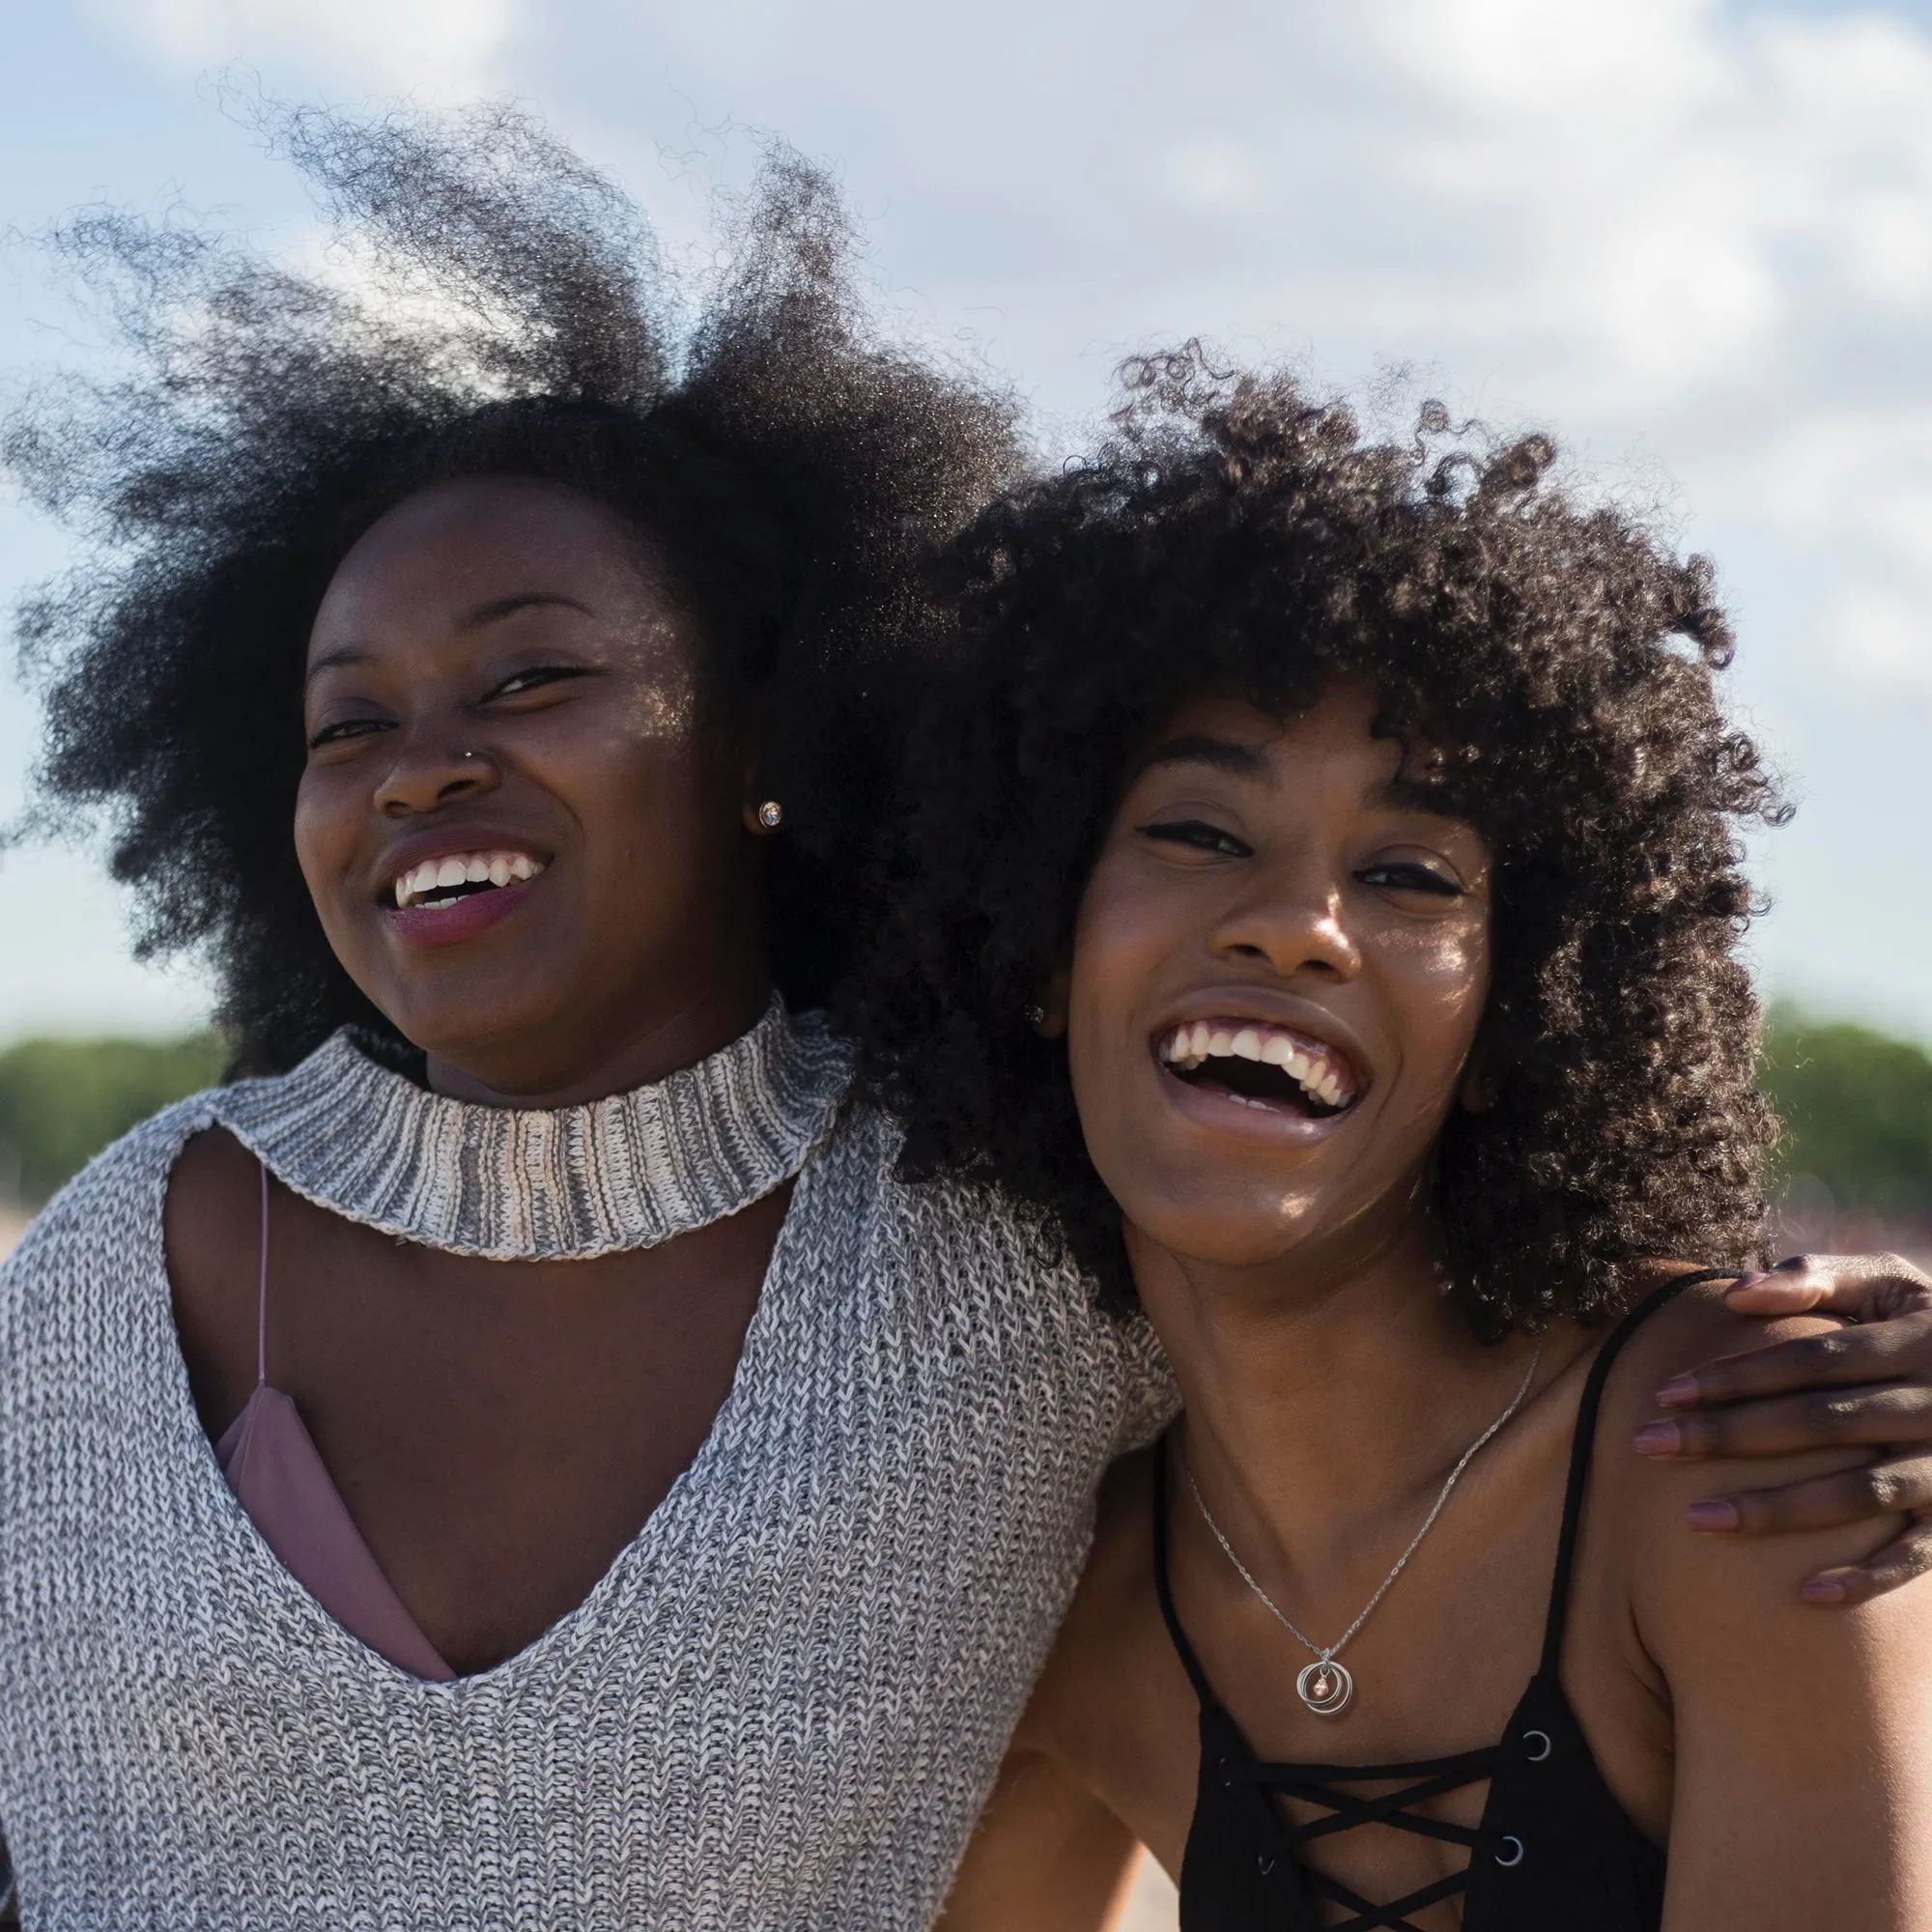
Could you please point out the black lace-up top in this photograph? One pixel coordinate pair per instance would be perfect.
(1555, 1849)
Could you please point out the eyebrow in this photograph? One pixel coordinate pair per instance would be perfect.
(336, 660)
(500, 607)
(473, 619)
(1222, 755)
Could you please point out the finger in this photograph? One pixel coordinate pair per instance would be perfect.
(1866, 1287)
(1889, 1412)
(1882, 1353)
(1793, 1294)
(1903, 1560)
(1823, 1502)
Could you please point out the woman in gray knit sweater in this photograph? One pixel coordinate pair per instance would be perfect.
(520, 1456)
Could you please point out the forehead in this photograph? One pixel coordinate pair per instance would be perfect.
(457, 545)
(1333, 738)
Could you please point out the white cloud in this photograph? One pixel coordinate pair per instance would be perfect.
(435, 49)
(1213, 174)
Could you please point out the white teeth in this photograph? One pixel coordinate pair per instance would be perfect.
(1192, 1043)
(466, 868)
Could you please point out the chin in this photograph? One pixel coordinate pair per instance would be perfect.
(1222, 1233)
(473, 1033)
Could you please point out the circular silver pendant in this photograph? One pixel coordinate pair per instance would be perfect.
(1325, 1687)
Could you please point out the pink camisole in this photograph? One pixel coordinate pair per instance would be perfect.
(278, 1476)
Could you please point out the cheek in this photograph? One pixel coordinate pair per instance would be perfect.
(1118, 940)
(1445, 979)
(328, 819)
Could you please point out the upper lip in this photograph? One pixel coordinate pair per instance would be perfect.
(1282, 1010)
(448, 842)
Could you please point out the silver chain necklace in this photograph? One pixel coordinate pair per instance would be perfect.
(1326, 1686)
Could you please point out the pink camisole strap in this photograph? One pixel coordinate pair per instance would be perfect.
(278, 1476)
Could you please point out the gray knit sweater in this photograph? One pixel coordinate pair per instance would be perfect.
(783, 1703)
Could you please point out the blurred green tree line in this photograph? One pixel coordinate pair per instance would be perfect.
(63, 1101)
(1856, 1107)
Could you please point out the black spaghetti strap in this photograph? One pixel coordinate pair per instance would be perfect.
(1583, 1446)
(1203, 1691)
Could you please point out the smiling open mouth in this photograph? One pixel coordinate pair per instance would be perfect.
(461, 875)
(1268, 1067)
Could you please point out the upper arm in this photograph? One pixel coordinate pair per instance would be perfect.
(1802, 1736)
(1047, 1857)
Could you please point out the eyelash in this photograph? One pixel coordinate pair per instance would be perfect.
(1201, 836)
(1409, 877)
(1396, 875)
(533, 679)
(348, 728)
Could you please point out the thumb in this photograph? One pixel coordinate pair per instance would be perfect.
(1798, 1292)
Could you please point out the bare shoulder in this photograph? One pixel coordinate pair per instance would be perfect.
(1693, 1328)
(1687, 1588)
(211, 1234)
(1798, 1785)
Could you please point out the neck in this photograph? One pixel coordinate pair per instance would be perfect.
(666, 1035)
(1323, 1396)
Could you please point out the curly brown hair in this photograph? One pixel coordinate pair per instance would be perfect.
(792, 469)
(1234, 536)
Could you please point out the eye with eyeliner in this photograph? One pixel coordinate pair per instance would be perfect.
(1411, 876)
(1198, 835)
(534, 678)
(345, 729)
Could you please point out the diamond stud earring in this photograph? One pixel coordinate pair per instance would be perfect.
(771, 814)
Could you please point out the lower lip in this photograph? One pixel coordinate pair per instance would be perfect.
(452, 925)
(1215, 1107)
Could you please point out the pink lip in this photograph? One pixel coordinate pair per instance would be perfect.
(452, 925)
(1217, 1109)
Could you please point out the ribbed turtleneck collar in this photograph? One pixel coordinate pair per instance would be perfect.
(547, 1183)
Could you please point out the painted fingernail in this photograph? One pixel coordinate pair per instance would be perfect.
(1679, 1392)
(1659, 1439)
(1750, 1279)
(1824, 1590)
(1712, 1512)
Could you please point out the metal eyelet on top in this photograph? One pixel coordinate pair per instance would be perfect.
(1517, 1860)
(1537, 1757)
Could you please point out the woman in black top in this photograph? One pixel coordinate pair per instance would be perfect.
(1358, 825)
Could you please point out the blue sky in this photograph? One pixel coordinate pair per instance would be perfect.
(1695, 238)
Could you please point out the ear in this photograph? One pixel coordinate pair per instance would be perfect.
(1052, 1005)
(1477, 1092)
(754, 791)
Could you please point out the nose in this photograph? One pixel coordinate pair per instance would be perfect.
(429, 772)
(1293, 919)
